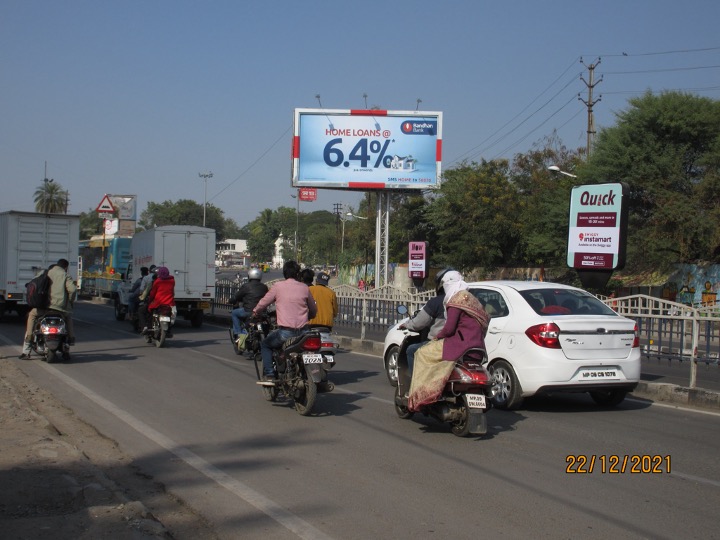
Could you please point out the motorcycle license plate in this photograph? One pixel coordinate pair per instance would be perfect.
(164, 319)
(330, 359)
(475, 401)
(313, 358)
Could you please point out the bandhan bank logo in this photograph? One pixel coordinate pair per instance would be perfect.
(423, 127)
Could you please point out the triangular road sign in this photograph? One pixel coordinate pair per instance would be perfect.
(105, 205)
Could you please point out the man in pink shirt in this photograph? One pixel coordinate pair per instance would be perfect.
(294, 306)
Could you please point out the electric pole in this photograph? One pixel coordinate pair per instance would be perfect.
(589, 103)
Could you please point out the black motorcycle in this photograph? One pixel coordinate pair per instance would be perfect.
(255, 331)
(465, 398)
(300, 367)
(161, 319)
(50, 338)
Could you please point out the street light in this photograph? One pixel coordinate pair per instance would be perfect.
(344, 219)
(297, 222)
(555, 168)
(205, 177)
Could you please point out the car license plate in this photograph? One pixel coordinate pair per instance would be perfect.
(598, 374)
(313, 358)
(475, 401)
(164, 319)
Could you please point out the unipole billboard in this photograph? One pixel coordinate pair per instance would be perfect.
(366, 149)
(597, 232)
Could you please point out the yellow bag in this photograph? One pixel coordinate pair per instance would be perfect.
(241, 341)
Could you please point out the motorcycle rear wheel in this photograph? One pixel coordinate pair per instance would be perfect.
(305, 403)
(461, 427)
(160, 341)
(50, 356)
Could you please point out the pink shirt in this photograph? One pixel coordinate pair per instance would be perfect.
(293, 302)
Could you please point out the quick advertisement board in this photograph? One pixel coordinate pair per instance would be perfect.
(598, 227)
(366, 149)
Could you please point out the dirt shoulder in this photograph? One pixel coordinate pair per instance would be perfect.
(60, 478)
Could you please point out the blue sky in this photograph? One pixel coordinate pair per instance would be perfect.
(139, 97)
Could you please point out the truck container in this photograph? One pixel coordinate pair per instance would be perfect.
(30, 242)
(189, 253)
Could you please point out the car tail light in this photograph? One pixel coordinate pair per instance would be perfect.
(312, 343)
(636, 341)
(545, 335)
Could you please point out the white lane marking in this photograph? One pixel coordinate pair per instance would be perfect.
(698, 479)
(672, 406)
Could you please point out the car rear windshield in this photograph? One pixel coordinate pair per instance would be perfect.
(564, 302)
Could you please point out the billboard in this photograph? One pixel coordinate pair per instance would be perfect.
(597, 235)
(366, 149)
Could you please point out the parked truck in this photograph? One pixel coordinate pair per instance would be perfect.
(30, 242)
(189, 253)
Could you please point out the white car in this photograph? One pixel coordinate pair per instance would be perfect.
(548, 337)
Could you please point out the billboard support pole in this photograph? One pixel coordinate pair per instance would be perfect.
(382, 229)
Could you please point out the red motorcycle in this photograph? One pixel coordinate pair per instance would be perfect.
(465, 398)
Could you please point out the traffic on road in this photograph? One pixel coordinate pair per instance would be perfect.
(192, 416)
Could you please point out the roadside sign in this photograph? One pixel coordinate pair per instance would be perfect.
(105, 206)
(308, 194)
(105, 215)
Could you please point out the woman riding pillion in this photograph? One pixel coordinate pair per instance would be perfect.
(465, 327)
(162, 293)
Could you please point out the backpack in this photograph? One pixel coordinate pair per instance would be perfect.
(37, 291)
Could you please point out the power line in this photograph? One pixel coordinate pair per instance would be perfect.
(679, 51)
(660, 70)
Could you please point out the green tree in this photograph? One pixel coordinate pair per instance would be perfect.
(51, 198)
(665, 148)
(187, 212)
(90, 224)
(476, 217)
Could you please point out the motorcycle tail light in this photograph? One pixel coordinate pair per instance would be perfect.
(312, 343)
(545, 335)
(471, 376)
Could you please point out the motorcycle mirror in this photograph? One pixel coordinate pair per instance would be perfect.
(402, 309)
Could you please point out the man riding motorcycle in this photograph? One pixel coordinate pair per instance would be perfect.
(294, 306)
(246, 298)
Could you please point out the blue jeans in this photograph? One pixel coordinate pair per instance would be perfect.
(238, 316)
(410, 352)
(273, 341)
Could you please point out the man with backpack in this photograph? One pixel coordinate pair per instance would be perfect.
(61, 299)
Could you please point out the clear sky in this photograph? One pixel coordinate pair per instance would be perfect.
(139, 97)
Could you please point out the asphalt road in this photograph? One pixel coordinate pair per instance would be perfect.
(192, 416)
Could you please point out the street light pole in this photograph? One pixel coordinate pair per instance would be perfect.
(205, 177)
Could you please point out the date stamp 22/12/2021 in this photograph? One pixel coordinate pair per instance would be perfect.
(617, 464)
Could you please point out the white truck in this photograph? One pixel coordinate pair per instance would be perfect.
(189, 253)
(30, 242)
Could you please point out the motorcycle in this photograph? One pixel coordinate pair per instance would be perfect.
(50, 339)
(256, 330)
(301, 370)
(162, 319)
(465, 398)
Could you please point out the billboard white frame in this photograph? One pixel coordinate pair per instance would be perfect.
(358, 149)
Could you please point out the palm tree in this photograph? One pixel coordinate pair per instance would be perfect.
(51, 198)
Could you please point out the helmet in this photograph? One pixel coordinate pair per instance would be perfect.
(255, 273)
(438, 278)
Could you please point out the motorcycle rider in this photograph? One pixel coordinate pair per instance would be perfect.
(465, 328)
(294, 306)
(246, 298)
(432, 316)
(135, 292)
(162, 293)
(326, 300)
(62, 299)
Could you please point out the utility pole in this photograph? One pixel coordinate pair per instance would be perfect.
(589, 103)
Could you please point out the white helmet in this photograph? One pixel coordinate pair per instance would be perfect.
(255, 273)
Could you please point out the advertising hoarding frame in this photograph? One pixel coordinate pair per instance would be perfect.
(363, 150)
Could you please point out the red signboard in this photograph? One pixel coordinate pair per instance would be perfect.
(308, 194)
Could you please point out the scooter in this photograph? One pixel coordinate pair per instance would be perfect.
(465, 398)
(49, 340)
